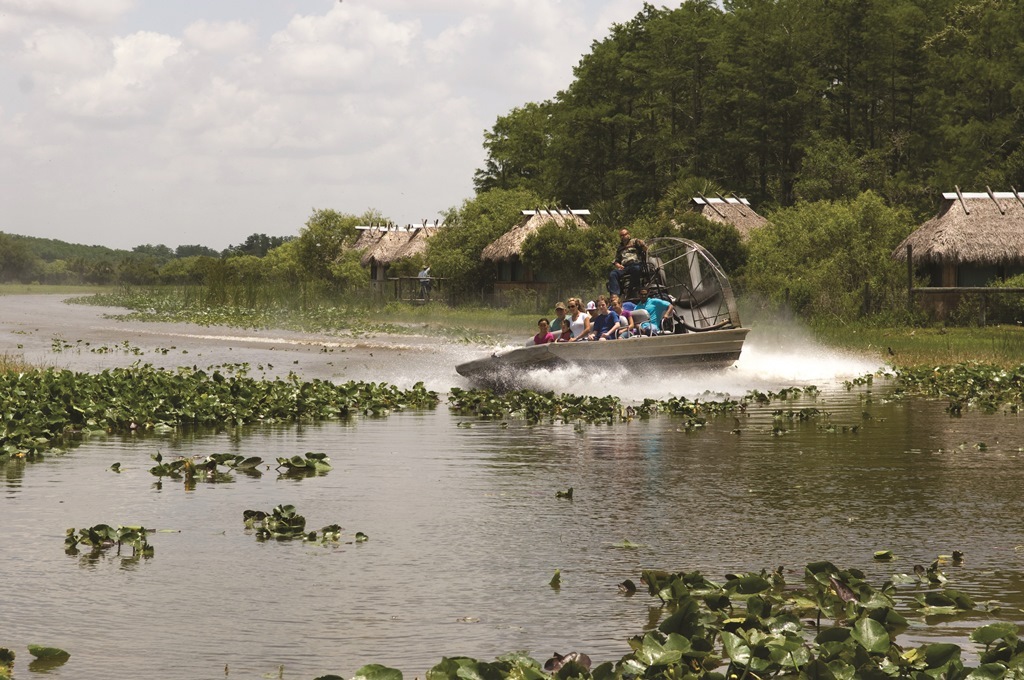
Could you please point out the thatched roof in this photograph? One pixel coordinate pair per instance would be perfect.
(732, 210)
(510, 244)
(417, 243)
(383, 251)
(981, 228)
(368, 237)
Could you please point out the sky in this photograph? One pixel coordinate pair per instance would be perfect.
(183, 122)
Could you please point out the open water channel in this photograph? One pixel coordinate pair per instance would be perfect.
(465, 530)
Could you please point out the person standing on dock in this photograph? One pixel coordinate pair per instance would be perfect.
(424, 277)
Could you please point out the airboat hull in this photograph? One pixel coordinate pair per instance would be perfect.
(670, 352)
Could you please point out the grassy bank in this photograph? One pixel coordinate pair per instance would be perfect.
(14, 363)
(44, 288)
(1001, 346)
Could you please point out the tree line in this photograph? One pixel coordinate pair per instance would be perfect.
(780, 101)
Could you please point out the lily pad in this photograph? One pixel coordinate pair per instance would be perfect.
(49, 654)
(375, 671)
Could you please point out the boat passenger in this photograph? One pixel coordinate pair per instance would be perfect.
(544, 335)
(591, 309)
(626, 328)
(656, 308)
(579, 320)
(556, 322)
(566, 334)
(605, 324)
(628, 257)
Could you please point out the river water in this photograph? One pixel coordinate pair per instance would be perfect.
(465, 530)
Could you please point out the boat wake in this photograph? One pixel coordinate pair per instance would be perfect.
(760, 367)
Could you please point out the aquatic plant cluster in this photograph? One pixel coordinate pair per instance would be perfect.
(285, 523)
(836, 626)
(101, 537)
(217, 466)
(536, 407)
(51, 408)
(983, 386)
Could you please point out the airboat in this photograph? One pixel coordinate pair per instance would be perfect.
(700, 330)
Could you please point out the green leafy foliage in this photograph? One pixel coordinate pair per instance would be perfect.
(818, 257)
(572, 255)
(323, 247)
(101, 537)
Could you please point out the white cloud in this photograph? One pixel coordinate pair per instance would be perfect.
(454, 41)
(131, 81)
(76, 10)
(220, 124)
(359, 47)
(220, 36)
(64, 50)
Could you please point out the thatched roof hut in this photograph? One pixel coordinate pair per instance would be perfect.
(985, 229)
(510, 244)
(383, 251)
(732, 210)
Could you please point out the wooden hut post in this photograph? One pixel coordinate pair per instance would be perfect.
(910, 278)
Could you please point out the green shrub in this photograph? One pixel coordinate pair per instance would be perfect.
(818, 257)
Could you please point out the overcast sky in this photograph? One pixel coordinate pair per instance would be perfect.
(125, 122)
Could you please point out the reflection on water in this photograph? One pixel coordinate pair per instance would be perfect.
(465, 533)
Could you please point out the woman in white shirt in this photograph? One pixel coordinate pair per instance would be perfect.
(579, 319)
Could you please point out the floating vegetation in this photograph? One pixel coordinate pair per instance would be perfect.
(965, 385)
(51, 409)
(208, 468)
(308, 465)
(46, 658)
(48, 653)
(757, 626)
(102, 537)
(567, 494)
(536, 407)
(284, 523)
